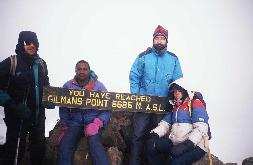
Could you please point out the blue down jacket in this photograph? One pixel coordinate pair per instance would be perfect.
(80, 117)
(152, 72)
(182, 124)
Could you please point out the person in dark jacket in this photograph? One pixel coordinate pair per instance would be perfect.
(151, 74)
(21, 96)
(76, 123)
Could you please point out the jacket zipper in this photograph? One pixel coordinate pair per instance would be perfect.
(156, 70)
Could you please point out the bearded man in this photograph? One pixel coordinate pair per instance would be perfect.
(151, 74)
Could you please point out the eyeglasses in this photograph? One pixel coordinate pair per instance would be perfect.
(28, 42)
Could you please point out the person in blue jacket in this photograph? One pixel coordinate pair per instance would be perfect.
(21, 95)
(151, 74)
(78, 122)
(182, 133)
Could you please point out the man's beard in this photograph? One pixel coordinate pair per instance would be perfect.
(159, 47)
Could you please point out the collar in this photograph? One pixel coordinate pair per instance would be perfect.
(159, 52)
(29, 59)
(89, 85)
(182, 106)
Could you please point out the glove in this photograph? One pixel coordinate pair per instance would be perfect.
(181, 148)
(153, 135)
(48, 105)
(92, 128)
(20, 110)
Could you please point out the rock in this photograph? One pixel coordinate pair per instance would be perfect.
(116, 138)
(115, 156)
(205, 161)
(248, 161)
(118, 132)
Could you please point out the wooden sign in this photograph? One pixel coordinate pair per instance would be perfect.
(85, 99)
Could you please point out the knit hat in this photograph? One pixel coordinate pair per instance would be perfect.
(28, 36)
(160, 31)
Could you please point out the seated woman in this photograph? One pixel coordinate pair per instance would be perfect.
(182, 133)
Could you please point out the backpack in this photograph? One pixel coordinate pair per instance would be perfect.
(13, 66)
(198, 95)
(13, 59)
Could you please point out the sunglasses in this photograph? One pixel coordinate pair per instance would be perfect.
(28, 42)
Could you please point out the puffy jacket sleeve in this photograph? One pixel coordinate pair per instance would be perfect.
(199, 120)
(177, 73)
(4, 78)
(104, 115)
(164, 126)
(136, 74)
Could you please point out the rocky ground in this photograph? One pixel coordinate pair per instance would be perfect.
(116, 138)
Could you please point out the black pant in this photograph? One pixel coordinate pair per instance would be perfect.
(142, 124)
(159, 149)
(16, 129)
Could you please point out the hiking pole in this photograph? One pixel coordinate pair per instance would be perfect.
(20, 127)
(16, 156)
(209, 152)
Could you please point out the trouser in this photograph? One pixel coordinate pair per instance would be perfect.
(142, 124)
(19, 130)
(68, 145)
(159, 149)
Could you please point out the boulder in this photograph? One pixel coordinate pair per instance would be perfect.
(248, 161)
(116, 138)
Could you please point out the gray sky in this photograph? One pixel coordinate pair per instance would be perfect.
(212, 38)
